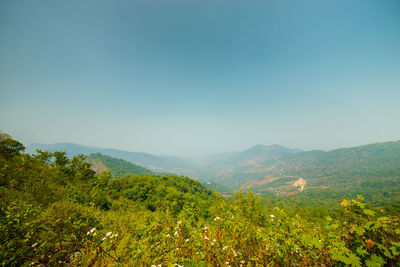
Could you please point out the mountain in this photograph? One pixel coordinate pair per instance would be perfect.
(372, 170)
(118, 167)
(234, 168)
(152, 162)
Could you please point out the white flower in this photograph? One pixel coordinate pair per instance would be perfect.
(167, 235)
(227, 263)
(242, 261)
(108, 234)
(217, 218)
(187, 240)
(224, 248)
(234, 252)
(176, 233)
(34, 245)
(206, 238)
(272, 216)
(205, 228)
(104, 238)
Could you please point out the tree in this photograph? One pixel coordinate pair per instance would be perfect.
(9, 147)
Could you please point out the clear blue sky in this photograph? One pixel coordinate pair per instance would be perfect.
(191, 77)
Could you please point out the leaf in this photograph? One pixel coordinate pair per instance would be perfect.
(394, 250)
(353, 260)
(375, 261)
(369, 212)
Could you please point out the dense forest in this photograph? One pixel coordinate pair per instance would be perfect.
(57, 211)
(118, 167)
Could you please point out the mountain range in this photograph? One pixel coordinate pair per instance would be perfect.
(275, 169)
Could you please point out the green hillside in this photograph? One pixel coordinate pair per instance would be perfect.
(149, 161)
(373, 170)
(56, 211)
(118, 167)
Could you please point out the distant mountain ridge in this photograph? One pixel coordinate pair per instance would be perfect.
(155, 163)
(276, 169)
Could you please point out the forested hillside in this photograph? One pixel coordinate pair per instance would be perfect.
(152, 162)
(281, 173)
(118, 167)
(57, 211)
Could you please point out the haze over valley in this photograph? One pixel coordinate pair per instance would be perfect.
(372, 169)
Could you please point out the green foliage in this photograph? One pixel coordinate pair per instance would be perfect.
(56, 211)
(118, 167)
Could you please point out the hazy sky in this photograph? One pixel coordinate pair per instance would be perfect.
(189, 77)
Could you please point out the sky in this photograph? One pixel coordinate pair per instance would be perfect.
(182, 77)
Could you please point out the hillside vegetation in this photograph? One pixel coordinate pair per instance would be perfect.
(285, 174)
(118, 167)
(56, 211)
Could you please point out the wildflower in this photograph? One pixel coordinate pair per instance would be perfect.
(176, 233)
(34, 245)
(206, 238)
(272, 216)
(227, 263)
(104, 238)
(242, 261)
(187, 240)
(217, 218)
(167, 235)
(233, 217)
(234, 252)
(91, 231)
(224, 248)
(108, 234)
(369, 243)
(205, 228)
